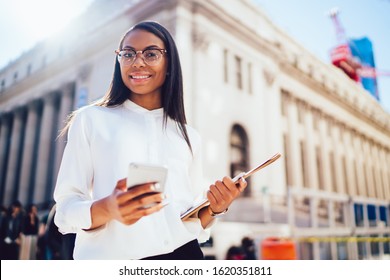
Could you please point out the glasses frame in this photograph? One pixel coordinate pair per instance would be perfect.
(128, 62)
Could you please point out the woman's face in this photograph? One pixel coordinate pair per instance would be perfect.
(143, 80)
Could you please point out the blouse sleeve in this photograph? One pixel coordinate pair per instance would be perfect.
(74, 182)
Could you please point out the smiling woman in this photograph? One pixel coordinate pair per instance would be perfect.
(141, 119)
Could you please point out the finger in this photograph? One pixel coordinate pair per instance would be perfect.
(211, 197)
(227, 193)
(217, 190)
(141, 212)
(242, 184)
(141, 202)
(138, 190)
(229, 183)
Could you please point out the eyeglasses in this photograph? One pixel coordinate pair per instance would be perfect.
(151, 57)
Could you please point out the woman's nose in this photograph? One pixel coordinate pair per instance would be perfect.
(139, 60)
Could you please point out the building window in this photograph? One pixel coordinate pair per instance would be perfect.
(346, 188)
(2, 85)
(239, 151)
(315, 120)
(286, 155)
(333, 172)
(301, 111)
(365, 175)
(29, 67)
(225, 65)
(304, 165)
(381, 185)
(238, 72)
(283, 105)
(320, 169)
(359, 183)
(250, 89)
(376, 183)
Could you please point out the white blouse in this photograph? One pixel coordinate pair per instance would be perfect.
(101, 143)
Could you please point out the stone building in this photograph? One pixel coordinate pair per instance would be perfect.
(251, 91)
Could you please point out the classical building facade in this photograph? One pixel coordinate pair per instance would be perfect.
(251, 91)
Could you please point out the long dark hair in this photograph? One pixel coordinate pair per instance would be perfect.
(172, 89)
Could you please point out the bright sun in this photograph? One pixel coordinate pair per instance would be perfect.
(42, 18)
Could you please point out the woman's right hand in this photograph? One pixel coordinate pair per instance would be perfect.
(126, 206)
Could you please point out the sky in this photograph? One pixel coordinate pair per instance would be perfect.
(308, 23)
(25, 22)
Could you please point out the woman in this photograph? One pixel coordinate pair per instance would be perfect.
(30, 234)
(140, 119)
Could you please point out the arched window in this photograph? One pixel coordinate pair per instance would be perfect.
(239, 153)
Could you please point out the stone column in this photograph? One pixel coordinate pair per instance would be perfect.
(311, 163)
(385, 173)
(67, 93)
(377, 175)
(359, 166)
(324, 150)
(4, 149)
(45, 142)
(349, 161)
(294, 161)
(387, 164)
(338, 168)
(28, 152)
(14, 156)
(368, 169)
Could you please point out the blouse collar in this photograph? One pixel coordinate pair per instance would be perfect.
(128, 104)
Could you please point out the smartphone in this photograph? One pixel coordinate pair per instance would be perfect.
(140, 173)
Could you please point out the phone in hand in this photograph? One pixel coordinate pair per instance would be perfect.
(140, 173)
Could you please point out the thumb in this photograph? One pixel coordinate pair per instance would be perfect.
(121, 184)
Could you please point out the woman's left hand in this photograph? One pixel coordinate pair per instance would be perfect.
(222, 193)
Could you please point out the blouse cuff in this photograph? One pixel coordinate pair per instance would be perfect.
(78, 216)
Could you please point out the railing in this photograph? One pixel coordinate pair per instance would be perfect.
(333, 226)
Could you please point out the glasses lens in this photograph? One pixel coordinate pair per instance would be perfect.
(127, 56)
(152, 57)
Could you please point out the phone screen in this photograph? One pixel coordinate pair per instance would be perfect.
(146, 173)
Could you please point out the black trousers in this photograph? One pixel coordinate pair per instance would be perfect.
(189, 251)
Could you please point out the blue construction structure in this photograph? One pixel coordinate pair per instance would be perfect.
(362, 49)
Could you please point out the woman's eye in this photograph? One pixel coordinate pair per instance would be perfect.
(128, 55)
(150, 54)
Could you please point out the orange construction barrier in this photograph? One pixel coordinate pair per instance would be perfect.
(275, 248)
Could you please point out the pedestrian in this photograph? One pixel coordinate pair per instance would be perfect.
(248, 247)
(29, 237)
(140, 119)
(13, 229)
(235, 253)
(3, 217)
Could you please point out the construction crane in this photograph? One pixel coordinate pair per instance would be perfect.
(341, 55)
(347, 56)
